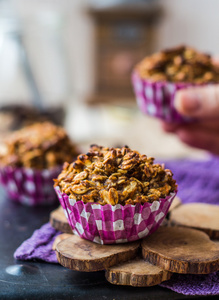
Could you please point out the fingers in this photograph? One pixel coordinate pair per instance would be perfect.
(169, 127)
(206, 140)
(203, 135)
(212, 125)
(201, 103)
(198, 102)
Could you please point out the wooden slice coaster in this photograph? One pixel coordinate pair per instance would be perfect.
(59, 221)
(82, 255)
(136, 272)
(60, 238)
(181, 250)
(200, 216)
(176, 202)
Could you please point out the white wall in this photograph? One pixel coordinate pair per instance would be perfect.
(58, 38)
(194, 22)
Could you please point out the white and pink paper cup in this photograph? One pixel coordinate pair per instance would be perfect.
(107, 224)
(157, 98)
(30, 187)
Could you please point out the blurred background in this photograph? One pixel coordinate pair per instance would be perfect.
(71, 62)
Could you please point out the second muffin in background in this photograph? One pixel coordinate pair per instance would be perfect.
(114, 195)
(157, 78)
(32, 157)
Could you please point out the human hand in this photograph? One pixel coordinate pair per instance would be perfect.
(201, 103)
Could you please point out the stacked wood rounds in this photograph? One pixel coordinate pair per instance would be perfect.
(184, 248)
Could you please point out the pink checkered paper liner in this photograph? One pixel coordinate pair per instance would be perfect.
(107, 224)
(156, 98)
(29, 186)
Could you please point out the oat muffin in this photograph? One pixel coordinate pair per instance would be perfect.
(180, 64)
(115, 176)
(157, 77)
(30, 159)
(114, 195)
(39, 146)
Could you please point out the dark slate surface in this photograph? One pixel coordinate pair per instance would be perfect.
(38, 280)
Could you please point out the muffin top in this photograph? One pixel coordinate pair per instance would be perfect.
(115, 175)
(40, 146)
(179, 64)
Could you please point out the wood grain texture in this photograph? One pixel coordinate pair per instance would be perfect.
(181, 250)
(200, 216)
(59, 221)
(136, 272)
(176, 202)
(60, 238)
(82, 255)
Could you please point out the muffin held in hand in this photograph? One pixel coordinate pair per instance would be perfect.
(113, 195)
(157, 78)
(32, 157)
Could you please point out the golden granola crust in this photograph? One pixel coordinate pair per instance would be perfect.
(179, 64)
(40, 146)
(115, 175)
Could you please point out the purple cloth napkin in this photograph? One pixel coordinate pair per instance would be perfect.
(190, 284)
(39, 245)
(198, 181)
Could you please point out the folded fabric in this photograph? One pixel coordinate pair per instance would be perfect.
(39, 245)
(198, 182)
(190, 284)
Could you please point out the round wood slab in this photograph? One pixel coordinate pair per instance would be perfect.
(200, 216)
(136, 272)
(181, 250)
(60, 238)
(81, 255)
(59, 221)
(176, 202)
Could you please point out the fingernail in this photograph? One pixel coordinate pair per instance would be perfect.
(187, 102)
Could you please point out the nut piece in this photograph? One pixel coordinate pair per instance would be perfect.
(115, 176)
(179, 64)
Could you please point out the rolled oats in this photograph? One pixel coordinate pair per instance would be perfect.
(115, 175)
(180, 64)
(40, 146)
